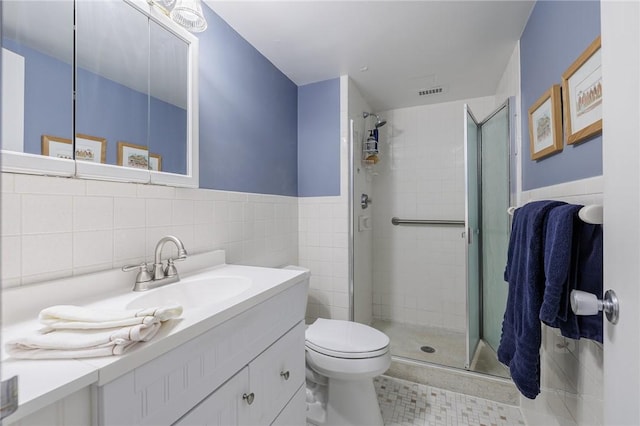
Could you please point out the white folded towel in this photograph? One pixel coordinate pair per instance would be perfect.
(62, 317)
(76, 332)
(80, 343)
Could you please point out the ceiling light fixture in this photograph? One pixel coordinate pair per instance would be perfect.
(186, 13)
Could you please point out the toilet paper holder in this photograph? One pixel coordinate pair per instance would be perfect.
(584, 303)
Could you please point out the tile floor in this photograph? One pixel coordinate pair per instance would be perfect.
(405, 404)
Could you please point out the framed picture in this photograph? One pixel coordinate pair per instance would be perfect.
(132, 155)
(91, 148)
(155, 162)
(582, 95)
(53, 146)
(545, 124)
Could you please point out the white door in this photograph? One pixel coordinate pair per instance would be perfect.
(621, 169)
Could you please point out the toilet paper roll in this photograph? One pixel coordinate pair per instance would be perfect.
(583, 303)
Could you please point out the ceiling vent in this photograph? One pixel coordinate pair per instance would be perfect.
(432, 91)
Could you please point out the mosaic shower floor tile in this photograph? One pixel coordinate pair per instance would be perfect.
(405, 403)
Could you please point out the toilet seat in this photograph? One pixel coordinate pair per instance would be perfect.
(345, 339)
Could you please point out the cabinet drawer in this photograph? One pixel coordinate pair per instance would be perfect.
(275, 376)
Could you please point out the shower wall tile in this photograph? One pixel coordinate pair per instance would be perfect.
(419, 270)
(75, 226)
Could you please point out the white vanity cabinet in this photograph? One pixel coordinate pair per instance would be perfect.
(203, 381)
(259, 392)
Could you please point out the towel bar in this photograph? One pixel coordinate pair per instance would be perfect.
(396, 221)
(592, 213)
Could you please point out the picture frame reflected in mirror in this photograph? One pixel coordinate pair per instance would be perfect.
(138, 157)
(87, 148)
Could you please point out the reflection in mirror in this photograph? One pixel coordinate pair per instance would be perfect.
(169, 89)
(37, 76)
(112, 56)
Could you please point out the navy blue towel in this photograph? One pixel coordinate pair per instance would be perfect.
(559, 253)
(573, 260)
(589, 277)
(519, 347)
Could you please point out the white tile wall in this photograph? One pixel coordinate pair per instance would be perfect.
(323, 232)
(419, 272)
(571, 370)
(57, 227)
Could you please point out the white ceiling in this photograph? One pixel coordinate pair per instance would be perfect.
(406, 46)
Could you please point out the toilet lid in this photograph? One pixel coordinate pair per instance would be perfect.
(345, 339)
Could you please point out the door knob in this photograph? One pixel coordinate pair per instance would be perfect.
(584, 303)
(249, 398)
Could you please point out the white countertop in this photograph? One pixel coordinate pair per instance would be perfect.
(42, 382)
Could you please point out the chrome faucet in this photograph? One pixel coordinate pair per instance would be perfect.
(159, 275)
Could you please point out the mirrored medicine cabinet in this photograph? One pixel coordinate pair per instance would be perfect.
(134, 117)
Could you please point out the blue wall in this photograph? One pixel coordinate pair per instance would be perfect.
(47, 98)
(319, 139)
(248, 116)
(48, 110)
(107, 118)
(556, 34)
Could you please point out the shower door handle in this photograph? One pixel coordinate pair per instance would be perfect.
(470, 233)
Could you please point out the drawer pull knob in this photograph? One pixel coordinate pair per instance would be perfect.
(249, 398)
(285, 375)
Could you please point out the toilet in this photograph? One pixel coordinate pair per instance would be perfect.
(342, 358)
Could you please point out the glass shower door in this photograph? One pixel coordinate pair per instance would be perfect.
(495, 139)
(472, 233)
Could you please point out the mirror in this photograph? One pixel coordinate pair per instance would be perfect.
(37, 79)
(136, 92)
(168, 100)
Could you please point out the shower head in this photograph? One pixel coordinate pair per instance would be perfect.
(379, 122)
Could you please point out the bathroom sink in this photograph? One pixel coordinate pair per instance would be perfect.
(193, 293)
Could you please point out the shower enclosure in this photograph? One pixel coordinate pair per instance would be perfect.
(433, 280)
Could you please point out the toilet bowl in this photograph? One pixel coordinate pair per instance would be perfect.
(342, 359)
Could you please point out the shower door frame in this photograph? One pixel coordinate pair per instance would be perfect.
(350, 216)
(469, 235)
(511, 149)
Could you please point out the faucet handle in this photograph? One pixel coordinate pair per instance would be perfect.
(170, 270)
(143, 274)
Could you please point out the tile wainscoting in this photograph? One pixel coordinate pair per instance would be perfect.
(58, 227)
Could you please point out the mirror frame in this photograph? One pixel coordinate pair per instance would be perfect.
(19, 162)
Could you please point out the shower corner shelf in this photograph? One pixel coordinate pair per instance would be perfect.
(369, 162)
(370, 150)
(370, 155)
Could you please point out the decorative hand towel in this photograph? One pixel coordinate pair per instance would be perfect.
(78, 332)
(62, 317)
(519, 347)
(81, 343)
